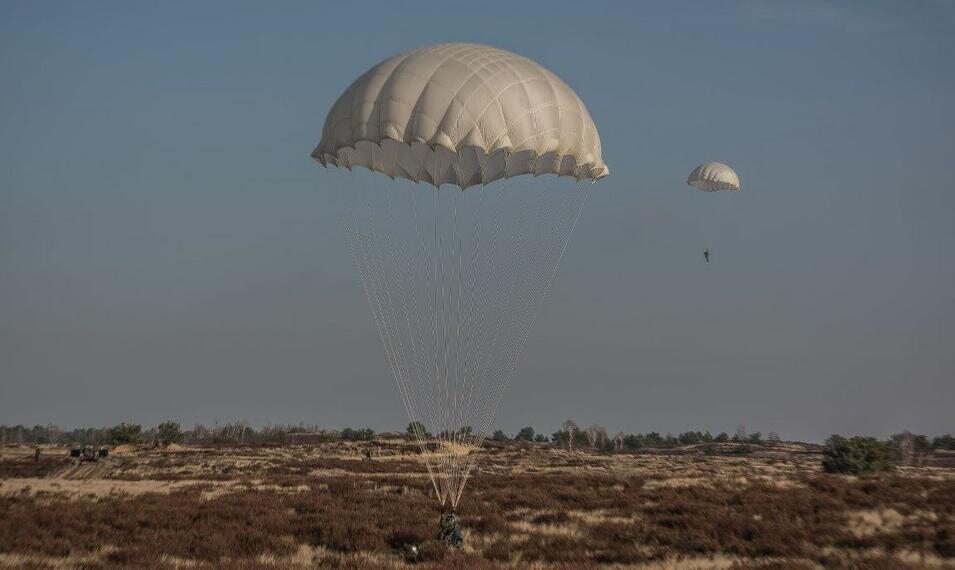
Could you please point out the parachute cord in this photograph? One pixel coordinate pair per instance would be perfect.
(422, 260)
(491, 277)
(524, 336)
(502, 303)
(389, 314)
(412, 381)
(500, 310)
(359, 248)
(461, 411)
(468, 378)
(447, 289)
(434, 311)
(481, 290)
(513, 282)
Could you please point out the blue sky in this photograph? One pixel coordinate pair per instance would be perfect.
(168, 250)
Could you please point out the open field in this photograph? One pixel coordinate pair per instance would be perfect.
(324, 506)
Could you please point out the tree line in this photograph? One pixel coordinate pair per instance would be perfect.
(904, 447)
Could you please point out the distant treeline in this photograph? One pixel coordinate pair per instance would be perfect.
(570, 436)
(171, 432)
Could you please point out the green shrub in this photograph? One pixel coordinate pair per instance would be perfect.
(856, 455)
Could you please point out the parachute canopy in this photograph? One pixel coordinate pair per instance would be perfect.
(455, 279)
(463, 114)
(714, 177)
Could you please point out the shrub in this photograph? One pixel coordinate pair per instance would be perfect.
(856, 455)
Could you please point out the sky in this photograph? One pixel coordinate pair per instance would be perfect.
(168, 250)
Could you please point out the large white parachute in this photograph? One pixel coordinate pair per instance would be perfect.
(462, 114)
(455, 279)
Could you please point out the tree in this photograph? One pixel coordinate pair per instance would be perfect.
(125, 434)
(499, 436)
(740, 434)
(633, 441)
(363, 434)
(910, 448)
(618, 440)
(856, 455)
(690, 437)
(653, 439)
(946, 441)
(169, 432)
(526, 434)
(597, 436)
(567, 434)
(755, 437)
(416, 430)
(540, 438)
(723, 437)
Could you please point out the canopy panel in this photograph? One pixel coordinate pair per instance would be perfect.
(714, 177)
(463, 114)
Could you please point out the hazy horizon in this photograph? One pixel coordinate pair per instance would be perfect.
(169, 251)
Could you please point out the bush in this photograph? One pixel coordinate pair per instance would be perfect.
(499, 435)
(856, 455)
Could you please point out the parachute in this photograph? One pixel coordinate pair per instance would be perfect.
(458, 251)
(714, 177)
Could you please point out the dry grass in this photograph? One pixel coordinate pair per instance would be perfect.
(324, 507)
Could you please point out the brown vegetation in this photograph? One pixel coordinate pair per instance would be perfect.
(323, 506)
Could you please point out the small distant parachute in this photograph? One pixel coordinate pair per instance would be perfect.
(714, 177)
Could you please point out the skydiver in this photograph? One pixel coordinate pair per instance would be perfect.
(706, 254)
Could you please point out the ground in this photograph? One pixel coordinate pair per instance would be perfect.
(325, 506)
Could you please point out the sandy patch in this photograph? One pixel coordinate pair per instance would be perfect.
(87, 488)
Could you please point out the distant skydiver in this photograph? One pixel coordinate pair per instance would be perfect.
(713, 177)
